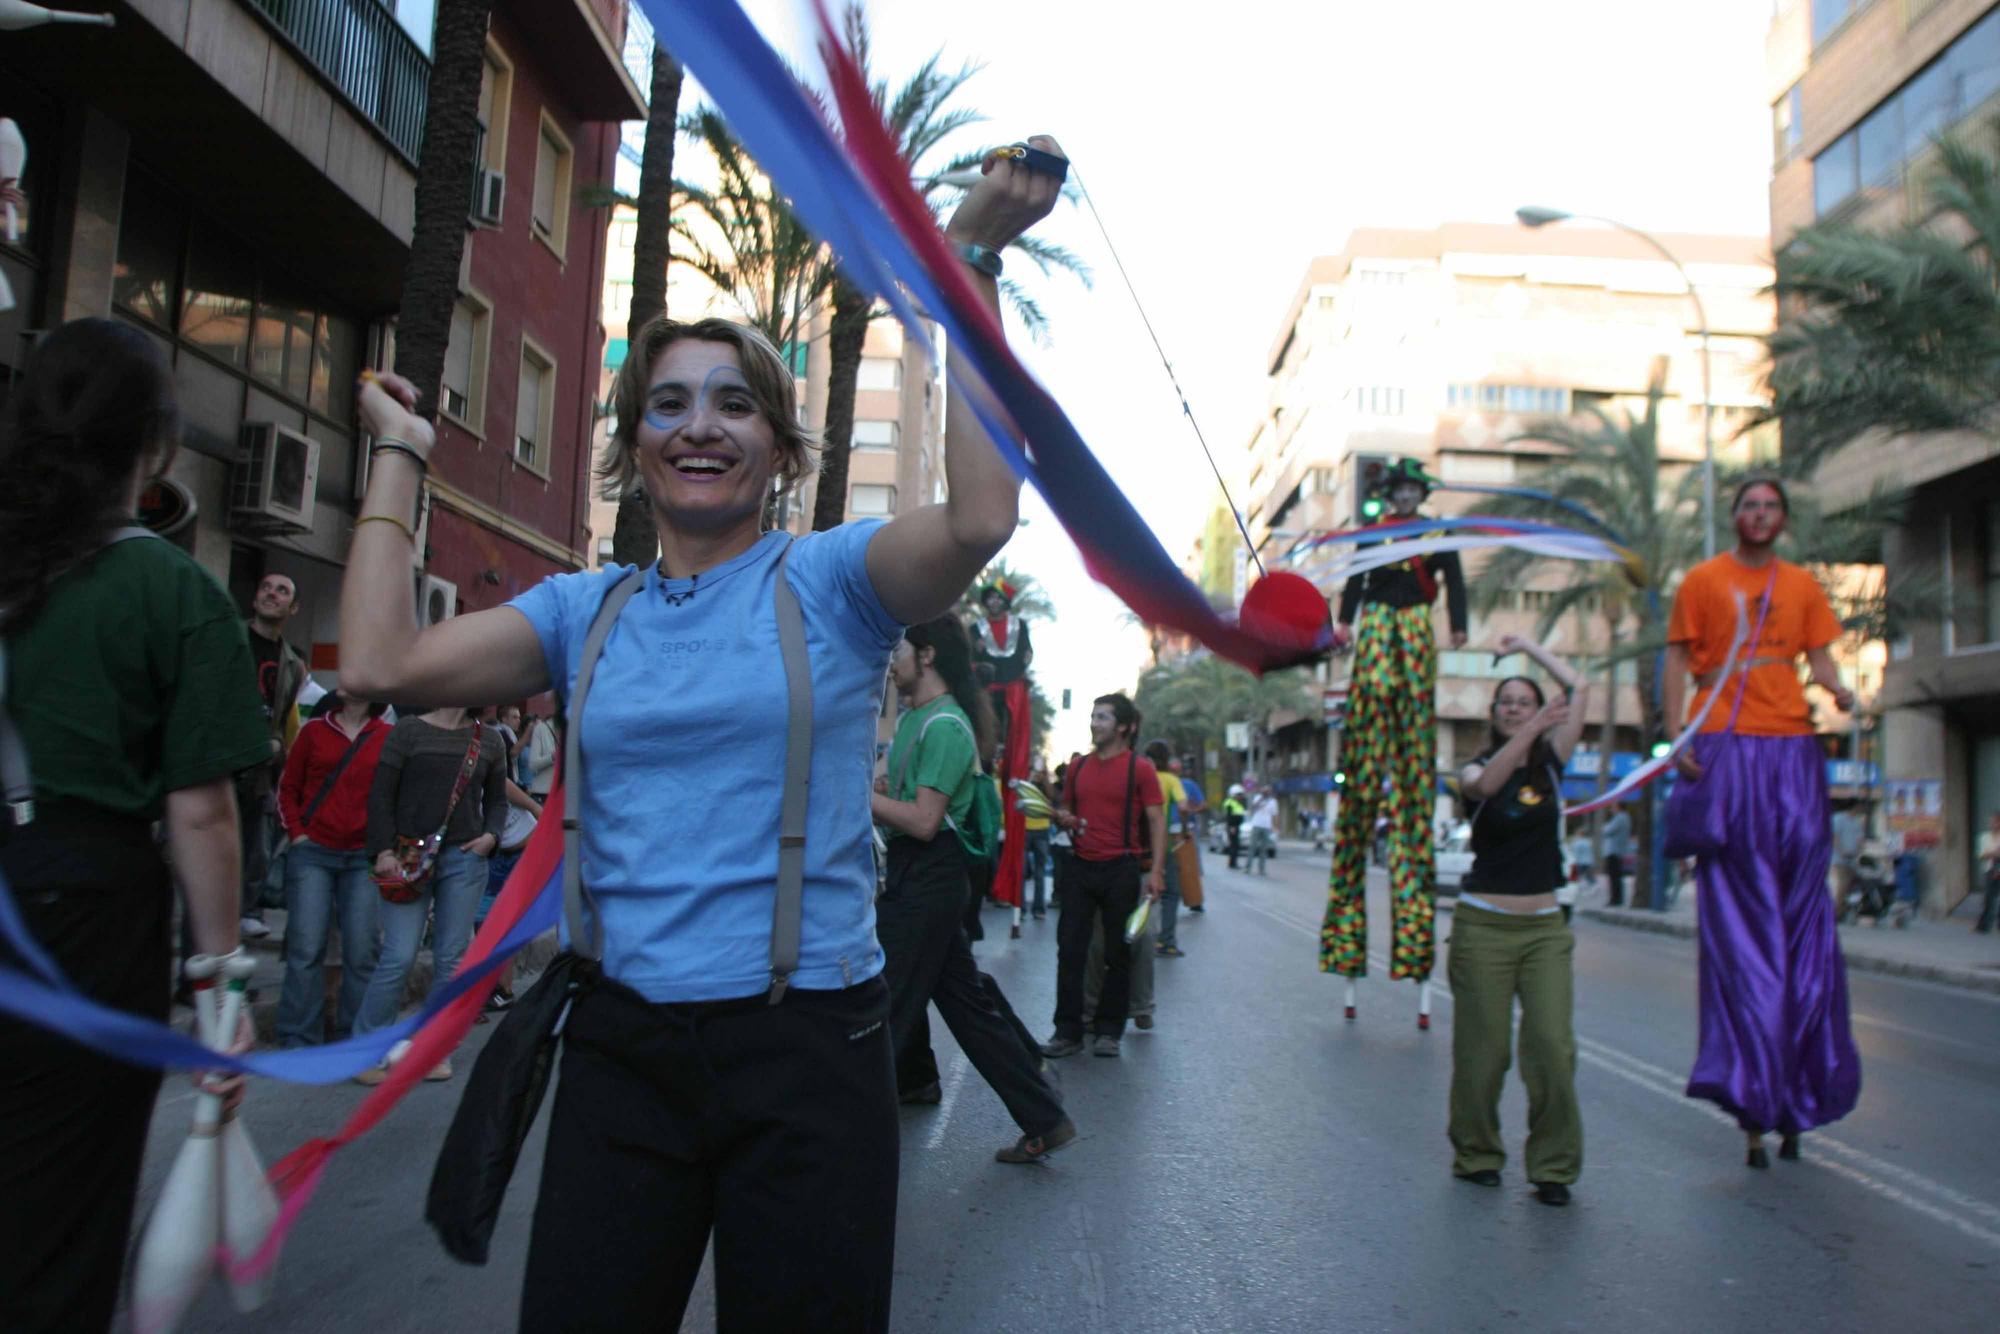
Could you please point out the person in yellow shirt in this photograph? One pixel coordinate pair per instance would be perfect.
(1035, 851)
(1177, 802)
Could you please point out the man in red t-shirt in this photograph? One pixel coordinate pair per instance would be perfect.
(1112, 807)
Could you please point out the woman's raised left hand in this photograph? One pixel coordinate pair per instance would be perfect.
(387, 404)
(1007, 202)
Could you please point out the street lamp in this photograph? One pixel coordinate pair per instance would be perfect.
(1534, 215)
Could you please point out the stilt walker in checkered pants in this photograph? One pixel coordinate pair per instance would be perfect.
(1388, 751)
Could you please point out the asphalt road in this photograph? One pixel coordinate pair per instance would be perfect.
(1258, 1163)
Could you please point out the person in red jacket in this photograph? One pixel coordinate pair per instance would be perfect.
(323, 801)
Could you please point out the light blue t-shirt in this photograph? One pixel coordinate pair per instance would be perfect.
(684, 753)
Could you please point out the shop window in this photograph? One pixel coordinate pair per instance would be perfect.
(151, 233)
(221, 292)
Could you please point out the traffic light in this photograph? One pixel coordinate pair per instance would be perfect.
(1660, 748)
(1371, 499)
(1340, 778)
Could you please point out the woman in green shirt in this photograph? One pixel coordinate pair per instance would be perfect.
(933, 773)
(130, 688)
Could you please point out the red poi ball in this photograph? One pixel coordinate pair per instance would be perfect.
(1287, 611)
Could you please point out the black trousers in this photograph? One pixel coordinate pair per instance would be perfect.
(928, 962)
(1094, 892)
(1614, 866)
(771, 1126)
(94, 892)
(1235, 840)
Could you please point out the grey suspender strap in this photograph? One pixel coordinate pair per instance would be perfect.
(785, 913)
(17, 778)
(591, 944)
(789, 907)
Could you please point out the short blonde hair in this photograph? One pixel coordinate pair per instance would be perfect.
(764, 371)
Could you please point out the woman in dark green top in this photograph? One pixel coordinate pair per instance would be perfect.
(129, 682)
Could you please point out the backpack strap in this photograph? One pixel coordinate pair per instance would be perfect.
(17, 777)
(916, 747)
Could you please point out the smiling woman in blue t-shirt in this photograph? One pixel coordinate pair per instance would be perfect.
(688, 1103)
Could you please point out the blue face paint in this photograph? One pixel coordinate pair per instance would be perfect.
(669, 405)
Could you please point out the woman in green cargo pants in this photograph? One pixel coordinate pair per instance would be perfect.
(1508, 937)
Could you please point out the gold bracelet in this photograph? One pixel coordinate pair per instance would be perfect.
(408, 531)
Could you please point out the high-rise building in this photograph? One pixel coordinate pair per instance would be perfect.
(1859, 89)
(238, 179)
(1447, 345)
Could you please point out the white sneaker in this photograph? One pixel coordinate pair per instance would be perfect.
(253, 928)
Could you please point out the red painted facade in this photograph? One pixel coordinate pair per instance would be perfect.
(553, 299)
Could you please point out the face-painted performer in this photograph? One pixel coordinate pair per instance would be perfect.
(1389, 747)
(768, 1122)
(1776, 1051)
(1001, 654)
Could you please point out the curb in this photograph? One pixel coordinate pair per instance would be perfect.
(1970, 979)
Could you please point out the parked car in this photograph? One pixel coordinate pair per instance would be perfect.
(1454, 858)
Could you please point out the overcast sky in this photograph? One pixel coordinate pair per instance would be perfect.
(1226, 145)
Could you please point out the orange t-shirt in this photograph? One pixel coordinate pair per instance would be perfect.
(1704, 619)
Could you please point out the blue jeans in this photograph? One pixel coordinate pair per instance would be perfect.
(317, 882)
(454, 889)
(1261, 843)
(1037, 858)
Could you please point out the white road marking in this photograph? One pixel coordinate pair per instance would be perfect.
(1654, 1079)
(954, 1076)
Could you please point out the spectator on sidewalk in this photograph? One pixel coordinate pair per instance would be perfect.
(323, 802)
(281, 673)
(1850, 830)
(1112, 805)
(1260, 818)
(1989, 872)
(1167, 941)
(537, 765)
(1036, 853)
(1617, 852)
(442, 770)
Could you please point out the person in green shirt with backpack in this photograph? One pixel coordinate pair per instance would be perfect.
(930, 810)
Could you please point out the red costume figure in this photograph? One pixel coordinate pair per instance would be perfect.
(1001, 653)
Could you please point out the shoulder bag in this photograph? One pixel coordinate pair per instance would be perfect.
(416, 858)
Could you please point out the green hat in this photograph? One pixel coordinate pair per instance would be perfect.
(1406, 470)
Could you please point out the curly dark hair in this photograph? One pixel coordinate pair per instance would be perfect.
(94, 398)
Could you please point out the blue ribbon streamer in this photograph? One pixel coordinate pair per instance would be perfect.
(41, 995)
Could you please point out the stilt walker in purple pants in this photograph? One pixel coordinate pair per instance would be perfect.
(1776, 1049)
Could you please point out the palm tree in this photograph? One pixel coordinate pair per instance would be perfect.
(1611, 467)
(1191, 700)
(746, 240)
(444, 170)
(1894, 331)
(919, 118)
(634, 540)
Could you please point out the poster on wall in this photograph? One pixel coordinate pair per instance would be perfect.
(1916, 811)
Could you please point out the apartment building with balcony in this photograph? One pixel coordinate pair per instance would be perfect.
(1859, 89)
(1445, 345)
(238, 179)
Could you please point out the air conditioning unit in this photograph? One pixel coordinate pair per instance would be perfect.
(490, 198)
(272, 487)
(437, 600)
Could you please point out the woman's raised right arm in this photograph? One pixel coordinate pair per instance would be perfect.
(480, 658)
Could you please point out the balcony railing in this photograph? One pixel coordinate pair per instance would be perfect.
(361, 50)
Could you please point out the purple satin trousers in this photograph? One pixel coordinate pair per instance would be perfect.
(1776, 1052)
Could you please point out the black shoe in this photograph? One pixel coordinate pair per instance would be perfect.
(1788, 1148)
(1060, 1046)
(1757, 1158)
(928, 1095)
(1485, 1176)
(1553, 1193)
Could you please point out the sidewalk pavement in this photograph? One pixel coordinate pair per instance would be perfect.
(1948, 952)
